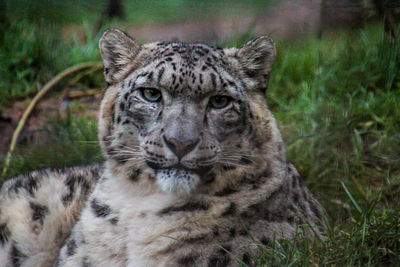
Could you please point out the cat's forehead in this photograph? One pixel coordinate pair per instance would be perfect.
(195, 50)
(183, 68)
(182, 56)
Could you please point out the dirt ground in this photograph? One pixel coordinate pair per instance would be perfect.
(47, 108)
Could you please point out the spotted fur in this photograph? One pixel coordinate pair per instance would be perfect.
(38, 211)
(195, 172)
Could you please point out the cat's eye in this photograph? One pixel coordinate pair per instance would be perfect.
(151, 94)
(219, 101)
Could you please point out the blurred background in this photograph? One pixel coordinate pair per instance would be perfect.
(335, 90)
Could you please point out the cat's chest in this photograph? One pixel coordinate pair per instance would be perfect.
(116, 214)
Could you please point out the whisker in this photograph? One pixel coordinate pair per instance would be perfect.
(239, 157)
(127, 154)
(235, 164)
(134, 146)
(128, 151)
(133, 159)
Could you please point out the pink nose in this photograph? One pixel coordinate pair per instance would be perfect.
(180, 148)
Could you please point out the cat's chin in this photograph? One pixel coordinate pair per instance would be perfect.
(177, 181)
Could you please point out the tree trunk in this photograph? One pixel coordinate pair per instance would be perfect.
(3, 19)
(385, 14)
(113, 9)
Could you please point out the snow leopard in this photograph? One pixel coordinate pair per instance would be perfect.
(195, 171)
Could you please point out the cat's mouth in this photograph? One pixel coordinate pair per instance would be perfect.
(179, 169)
(179, 179)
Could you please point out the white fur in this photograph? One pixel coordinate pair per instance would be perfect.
(177, 181)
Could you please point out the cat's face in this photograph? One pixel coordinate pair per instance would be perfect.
(180, 109)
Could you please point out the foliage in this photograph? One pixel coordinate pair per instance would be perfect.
(340, 110)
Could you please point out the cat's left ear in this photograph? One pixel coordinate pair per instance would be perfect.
(255, 60)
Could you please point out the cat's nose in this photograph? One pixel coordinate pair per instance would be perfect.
(180, 147)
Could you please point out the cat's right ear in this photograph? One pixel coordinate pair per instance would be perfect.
(118, 51)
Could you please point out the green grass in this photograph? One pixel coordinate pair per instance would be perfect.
(371, 240)
(31, 54)
(336, 99)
